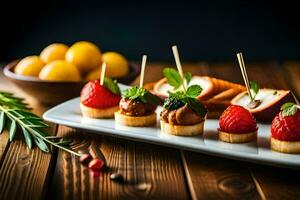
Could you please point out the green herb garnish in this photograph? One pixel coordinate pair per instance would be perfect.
(141, 94)
(180, 98)
(174, 78)
(112, 85)
(15, 115)
(254, 86)
(289, 109)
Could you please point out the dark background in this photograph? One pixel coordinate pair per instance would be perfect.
(206, 30)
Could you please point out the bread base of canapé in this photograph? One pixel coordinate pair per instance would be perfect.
(285, 146)
(126, 120)
(98, 113)
(237, 137)
(182, 130)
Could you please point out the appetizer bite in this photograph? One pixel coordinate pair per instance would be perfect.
(264, 104)
(216, 93)
(183, 113)
(100, 99)
(237, 125)
(137, 106)
(285, 129)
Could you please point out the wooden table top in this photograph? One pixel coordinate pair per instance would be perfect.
(151, 172)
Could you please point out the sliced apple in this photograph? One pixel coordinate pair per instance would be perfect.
(270, 102)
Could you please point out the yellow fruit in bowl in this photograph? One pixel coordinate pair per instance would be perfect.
(29, 66)
(94, 74)
(85, 55)
(116, 64)
(56, 51)
(60, 70)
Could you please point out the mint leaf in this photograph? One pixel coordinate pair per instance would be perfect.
(289, 109)
(112, 85)
(196, 106)
(188, 77)
(173, 102)
(141, 94)
(193, 91)
(179, 99)
(255, 87)
(173, 77)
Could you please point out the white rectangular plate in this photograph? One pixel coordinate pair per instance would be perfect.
(69, 114)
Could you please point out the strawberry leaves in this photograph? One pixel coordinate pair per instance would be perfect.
(289, 109)
(112, 85)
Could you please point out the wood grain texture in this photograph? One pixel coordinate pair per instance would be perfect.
(150, 172)
(293, 73)
(23, 172)
(213, 177)
(275, 183)
(3, 145)
(216, 178)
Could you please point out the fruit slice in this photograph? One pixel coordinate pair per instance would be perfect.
(270, 103)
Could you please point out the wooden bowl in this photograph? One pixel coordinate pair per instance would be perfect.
(54, 92)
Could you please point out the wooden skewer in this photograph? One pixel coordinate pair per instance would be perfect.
(103, 68)
(178, 64)
(143, 70)
(244, 74)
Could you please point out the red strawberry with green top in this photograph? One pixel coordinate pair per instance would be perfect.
(286, 124)
(237, 119)
(95, 95)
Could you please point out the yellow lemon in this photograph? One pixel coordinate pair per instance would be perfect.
(60, 70)
(94, 74)
(116, 64)
(29, 66)
(85, 55)
(53, 52)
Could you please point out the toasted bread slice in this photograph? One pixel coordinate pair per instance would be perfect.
(126, 120)
(285, 146)
(179, 130)
(237, 137)
(98, 113)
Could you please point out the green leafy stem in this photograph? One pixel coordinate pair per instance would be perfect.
(14, 114)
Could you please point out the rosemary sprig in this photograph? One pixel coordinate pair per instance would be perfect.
(15, 114)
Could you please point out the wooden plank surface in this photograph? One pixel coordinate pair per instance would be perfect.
(293, 74)
(216, 178)
(23, 172)
(150, 172)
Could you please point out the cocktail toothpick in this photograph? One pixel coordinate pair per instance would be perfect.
(103, 68)
(144, 60)
(244, 74)
(178, 64)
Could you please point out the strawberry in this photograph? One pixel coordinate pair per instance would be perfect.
(237, 119)
(96, 164)
(95, 95)
(286, 128)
